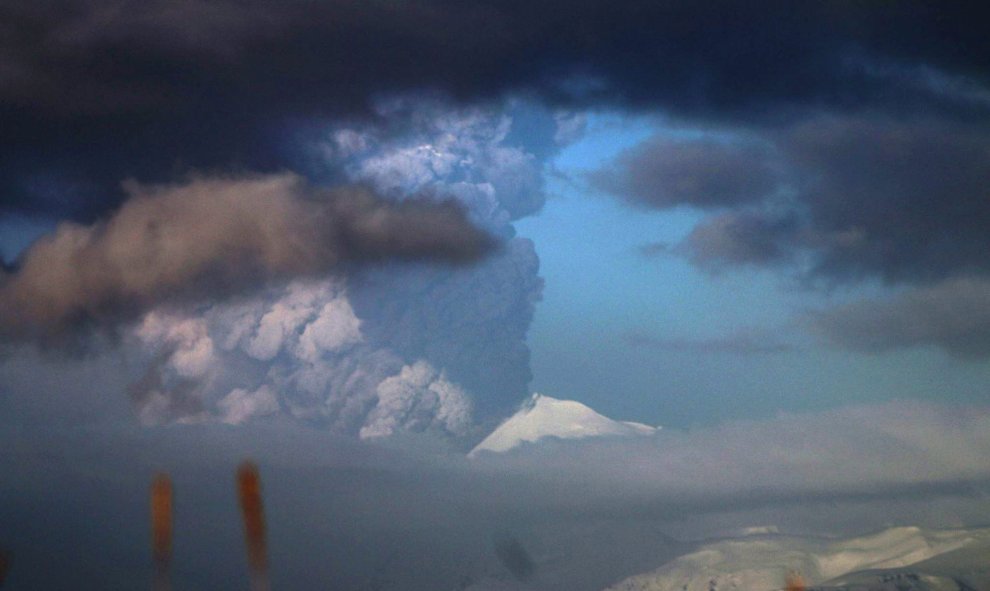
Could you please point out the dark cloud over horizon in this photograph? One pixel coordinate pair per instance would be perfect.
(899, 201)
(701, 173)
(896, 201)
(902, 200)
(953, 315)
(737, 238)
(96, 91)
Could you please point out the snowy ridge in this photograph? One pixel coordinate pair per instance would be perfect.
(762, 564)
(542, 416)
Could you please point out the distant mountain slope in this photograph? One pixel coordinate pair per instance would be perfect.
(898, 558)
(542, 416)
(965, 569)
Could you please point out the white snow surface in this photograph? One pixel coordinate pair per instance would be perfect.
(763, 563)
(542, 416)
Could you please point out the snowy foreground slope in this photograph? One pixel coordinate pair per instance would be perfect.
(542, 416)
(898, 559)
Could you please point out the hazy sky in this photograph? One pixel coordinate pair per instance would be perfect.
(349, 237)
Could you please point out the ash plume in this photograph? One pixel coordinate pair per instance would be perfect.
(216, 237)
(379, 349)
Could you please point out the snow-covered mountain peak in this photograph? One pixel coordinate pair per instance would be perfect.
(542, 416)
(762, 563)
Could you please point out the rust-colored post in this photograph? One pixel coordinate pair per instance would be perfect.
(795, 582)
(161, 530)
(249, 491)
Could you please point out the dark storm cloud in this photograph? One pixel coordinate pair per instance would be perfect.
(902, 200)
(218, 236)
(905, 200)
(97, 90)
(953, 315)
(703, 173)
(899, 199)
(740, 238)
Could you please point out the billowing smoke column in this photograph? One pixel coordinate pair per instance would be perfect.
(384, 349)
(161, 531)
(249, 493)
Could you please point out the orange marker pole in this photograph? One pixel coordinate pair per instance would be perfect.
(161, 530)
(795, 582)
(249, 491)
